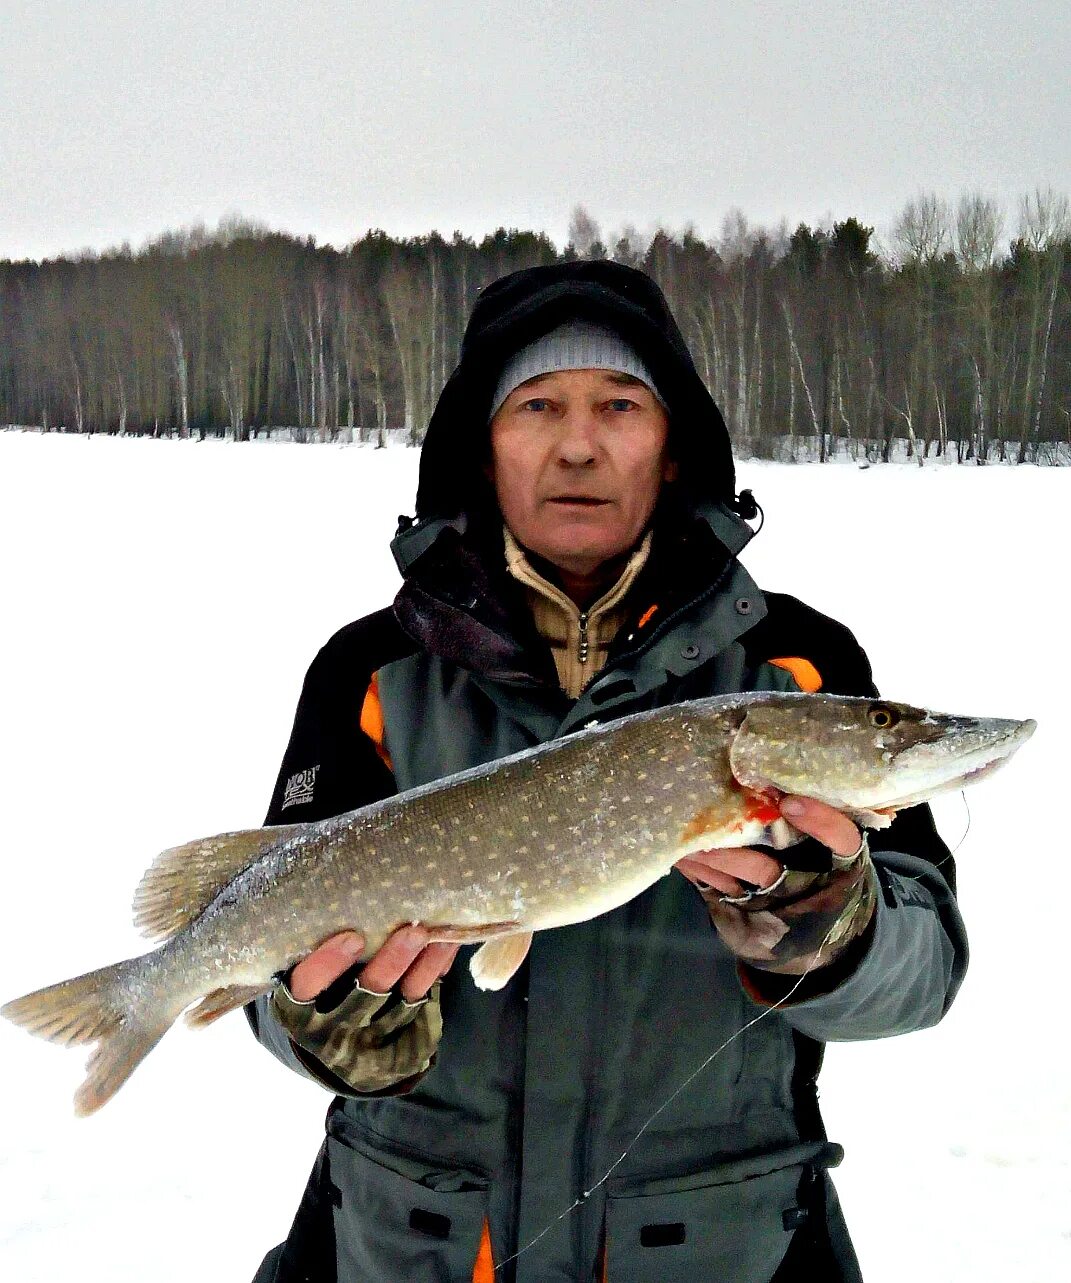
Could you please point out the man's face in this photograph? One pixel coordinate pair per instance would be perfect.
(577, 461)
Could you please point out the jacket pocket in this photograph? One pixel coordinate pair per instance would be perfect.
(705, 1230)
(389, 1227)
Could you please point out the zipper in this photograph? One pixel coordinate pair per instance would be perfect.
(659, 630)
(667, 623)
(582, 638)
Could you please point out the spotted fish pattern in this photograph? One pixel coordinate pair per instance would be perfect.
(554, 835)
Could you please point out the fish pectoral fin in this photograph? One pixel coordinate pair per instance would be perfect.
(870, 819)
(220, 1001)
(496, 962)
(471, 935)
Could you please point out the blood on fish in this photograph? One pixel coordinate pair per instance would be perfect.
(757, 806)
(761, 808)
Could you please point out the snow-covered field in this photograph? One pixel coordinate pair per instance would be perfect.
(161, 601)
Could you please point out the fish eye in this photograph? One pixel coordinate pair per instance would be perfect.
(882, 716)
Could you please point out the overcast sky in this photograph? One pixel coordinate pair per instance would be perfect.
(119, 120)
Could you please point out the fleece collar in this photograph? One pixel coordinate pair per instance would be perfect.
(459, 602)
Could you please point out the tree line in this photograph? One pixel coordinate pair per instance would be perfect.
(955, 339)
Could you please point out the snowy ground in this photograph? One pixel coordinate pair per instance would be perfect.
(162, 601)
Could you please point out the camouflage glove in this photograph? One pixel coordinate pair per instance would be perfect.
(805, 920)
(368, 1042)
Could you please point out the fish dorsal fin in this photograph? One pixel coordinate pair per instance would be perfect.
(181, 882)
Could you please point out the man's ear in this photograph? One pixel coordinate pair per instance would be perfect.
(670, 470)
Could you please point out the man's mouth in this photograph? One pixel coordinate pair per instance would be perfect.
(580, 500)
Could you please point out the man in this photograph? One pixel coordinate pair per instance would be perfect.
(574, 560)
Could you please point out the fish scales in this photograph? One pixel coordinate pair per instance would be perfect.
(554, 835)
(509, 845)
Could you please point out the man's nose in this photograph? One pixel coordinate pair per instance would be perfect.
(577, 445)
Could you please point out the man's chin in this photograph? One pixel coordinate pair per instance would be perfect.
(585, 558)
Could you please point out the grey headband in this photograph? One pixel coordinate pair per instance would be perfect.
(576, 345)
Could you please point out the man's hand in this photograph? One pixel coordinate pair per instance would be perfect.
(789, 920)
(366, 1042)
(735, 870)
(405, 959)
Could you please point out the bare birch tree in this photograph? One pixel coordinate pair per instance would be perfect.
(1044, 227)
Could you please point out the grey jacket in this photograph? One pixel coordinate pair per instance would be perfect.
(560, 1091)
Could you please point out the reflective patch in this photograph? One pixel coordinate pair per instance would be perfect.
(484, 1269)
(299, 787)
(808, 678)
(372, 722)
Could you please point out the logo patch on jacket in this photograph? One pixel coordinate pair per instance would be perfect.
(299, 787)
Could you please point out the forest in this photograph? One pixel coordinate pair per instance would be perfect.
(953, 340)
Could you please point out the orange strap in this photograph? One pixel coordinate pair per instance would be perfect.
(484, 1269)
(753, 991)
(372, 720)
(808, 678)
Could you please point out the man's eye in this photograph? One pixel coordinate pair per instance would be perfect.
(621, 403)
(536, 403)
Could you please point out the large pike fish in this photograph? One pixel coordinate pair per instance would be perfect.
(553, 835)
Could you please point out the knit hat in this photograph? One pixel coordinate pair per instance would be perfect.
(576, 345)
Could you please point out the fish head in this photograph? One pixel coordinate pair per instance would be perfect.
(866, 755)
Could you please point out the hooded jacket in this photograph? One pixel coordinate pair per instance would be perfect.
(538, 1091)
(517, 309)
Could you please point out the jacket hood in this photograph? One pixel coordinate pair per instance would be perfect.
(517, 309)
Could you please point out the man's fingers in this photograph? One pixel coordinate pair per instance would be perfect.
(394, 959)
(405, 957)
(822, 822)
(448, 959)
(730, 868)
(704, 876)
(324, 965)
(431, 964)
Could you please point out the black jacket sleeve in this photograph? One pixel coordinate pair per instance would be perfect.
(330, 765)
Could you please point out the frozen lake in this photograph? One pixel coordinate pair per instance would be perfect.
(162, 602)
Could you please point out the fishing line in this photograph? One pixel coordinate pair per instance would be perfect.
(967, 808)
(953, 851)
(579, 1202)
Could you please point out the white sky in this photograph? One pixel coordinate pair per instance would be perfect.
(326, 117)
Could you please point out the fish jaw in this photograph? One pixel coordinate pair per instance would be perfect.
(868, 757)
(941, 767)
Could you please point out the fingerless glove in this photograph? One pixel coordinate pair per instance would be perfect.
(371, 1043)
(805, 921)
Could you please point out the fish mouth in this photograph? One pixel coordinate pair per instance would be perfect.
(980, 772)
(936, 774)
(916, 774)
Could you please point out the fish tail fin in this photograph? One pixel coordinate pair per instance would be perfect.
(98, 1007)
(115, 1059)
